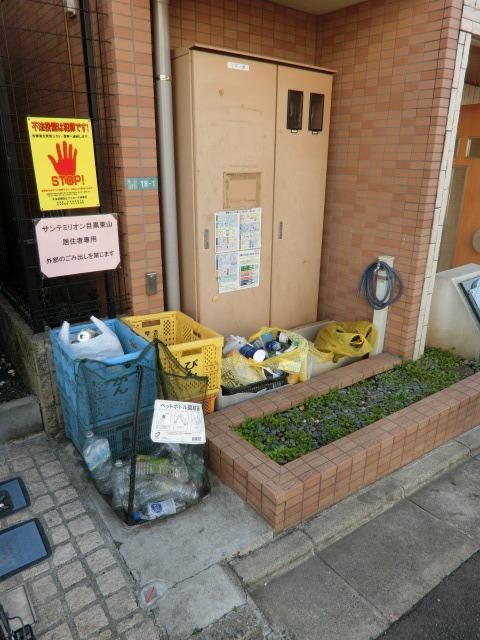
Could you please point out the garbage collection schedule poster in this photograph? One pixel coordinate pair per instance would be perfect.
(64, 162)
(226, 231)
(250, 226)
(238, 240)
(178, 422)
(77, 244)
(227, 265)
(249, 269)
(238, 230)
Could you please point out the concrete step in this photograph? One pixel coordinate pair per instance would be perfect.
(20, 418)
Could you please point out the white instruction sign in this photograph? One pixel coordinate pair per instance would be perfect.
(77, 244)
(227, 232)
(238, 230)
(250, 226)
(178, 422)
(238, 239)
(227, 265)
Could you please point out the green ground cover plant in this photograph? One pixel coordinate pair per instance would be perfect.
(321, 420)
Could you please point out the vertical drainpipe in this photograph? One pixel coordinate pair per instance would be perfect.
(164, 116)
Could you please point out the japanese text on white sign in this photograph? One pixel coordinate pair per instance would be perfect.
(178, 422)
(77, 244)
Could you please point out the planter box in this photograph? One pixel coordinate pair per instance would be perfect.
(286, 495)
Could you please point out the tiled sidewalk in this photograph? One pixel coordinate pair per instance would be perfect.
(83, 590)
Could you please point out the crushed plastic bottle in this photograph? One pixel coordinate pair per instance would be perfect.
(161, 509)
(187, 493)
(151, 465)
(98, 458)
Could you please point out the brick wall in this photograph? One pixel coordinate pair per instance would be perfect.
(395, 62)
(127, 26)
(39, 41)
(286, 495)
(249, 25)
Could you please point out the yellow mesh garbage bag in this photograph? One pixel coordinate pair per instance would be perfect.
(347, 338)
(295, 361)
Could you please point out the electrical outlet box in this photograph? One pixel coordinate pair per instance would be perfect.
(151, 283)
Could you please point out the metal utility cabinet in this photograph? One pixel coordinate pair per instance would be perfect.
(251, 133)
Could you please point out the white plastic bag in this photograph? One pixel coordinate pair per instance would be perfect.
(233, 343)
(105, 345)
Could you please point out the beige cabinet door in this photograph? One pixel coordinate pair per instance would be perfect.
(299, 196)
(234, 133)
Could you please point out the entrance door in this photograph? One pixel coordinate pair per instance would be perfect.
(463, 212)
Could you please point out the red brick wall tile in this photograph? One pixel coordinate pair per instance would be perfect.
(395, 67)
(127, 27)
(249, 25)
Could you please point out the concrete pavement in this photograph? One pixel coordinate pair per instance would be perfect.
(219, 560)
(355, 588)
(451, 610)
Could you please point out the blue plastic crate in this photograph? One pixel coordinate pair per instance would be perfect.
(102, 393)
(119, 433)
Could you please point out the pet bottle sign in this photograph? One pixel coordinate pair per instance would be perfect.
(178, 422)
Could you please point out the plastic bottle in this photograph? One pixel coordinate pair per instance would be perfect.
(155, 489)
(174, 469)
(187, 493)
(118, 484)
(159, 488)
(161, 509)
(233, 343)
(98, 458)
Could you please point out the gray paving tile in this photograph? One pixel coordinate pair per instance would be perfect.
(315, 603)
(197, 602)
(455, 498)
(399, 556)
(175, 549)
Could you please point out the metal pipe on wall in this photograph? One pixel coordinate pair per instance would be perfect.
(164, 114)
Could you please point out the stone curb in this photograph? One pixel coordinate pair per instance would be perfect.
(294, 547)
(276, 557)
(239, 624)
(20, 418)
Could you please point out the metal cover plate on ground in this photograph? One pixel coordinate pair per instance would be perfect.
(22, 546)
(17, 493)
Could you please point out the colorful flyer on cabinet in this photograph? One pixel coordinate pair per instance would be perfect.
(251, 228)
(249, 269)
(226, 231)
(227, 271)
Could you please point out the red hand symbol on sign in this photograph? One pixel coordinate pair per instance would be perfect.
(66, 164)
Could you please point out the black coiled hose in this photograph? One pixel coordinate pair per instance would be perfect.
(368, 285)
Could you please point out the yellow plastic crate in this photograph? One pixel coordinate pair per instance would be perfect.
(196, 347)
(209, 403)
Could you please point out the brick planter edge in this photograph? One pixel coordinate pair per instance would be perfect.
(286, 495)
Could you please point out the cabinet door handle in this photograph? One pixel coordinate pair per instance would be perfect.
(206, 239)
(280, 230)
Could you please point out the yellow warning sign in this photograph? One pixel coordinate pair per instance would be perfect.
(64, 162)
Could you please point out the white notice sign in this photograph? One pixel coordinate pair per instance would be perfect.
(77, 244)
(238, 66)
(178, 422)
